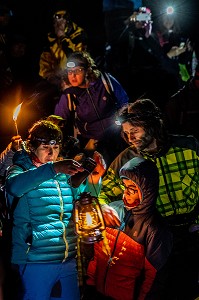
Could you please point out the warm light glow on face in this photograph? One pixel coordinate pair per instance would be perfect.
(17, 111)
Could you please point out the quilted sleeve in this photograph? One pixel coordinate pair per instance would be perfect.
(91, 271)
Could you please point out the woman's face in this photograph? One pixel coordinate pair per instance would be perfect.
(46, 153)
(77, 76)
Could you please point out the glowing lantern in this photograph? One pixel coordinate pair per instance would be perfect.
(89, 222)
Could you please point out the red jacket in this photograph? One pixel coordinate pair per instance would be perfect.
(117, 276)
(138, 252)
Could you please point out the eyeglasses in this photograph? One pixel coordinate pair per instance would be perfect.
(130, 189)
(76, 71)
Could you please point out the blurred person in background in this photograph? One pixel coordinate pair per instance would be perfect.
(64, 38)
(182, 49)
(150, 66)
(6, 155)
(175, 44)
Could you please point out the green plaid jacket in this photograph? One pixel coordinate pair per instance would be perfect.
(179, 177)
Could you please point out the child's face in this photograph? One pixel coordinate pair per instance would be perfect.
(131, 194)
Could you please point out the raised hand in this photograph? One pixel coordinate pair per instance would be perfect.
(16, 142)
(99, 170)
(110, 215)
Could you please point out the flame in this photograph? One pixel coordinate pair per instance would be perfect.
(88, 219)
(17, 111)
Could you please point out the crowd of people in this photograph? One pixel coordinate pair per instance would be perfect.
(125, 110)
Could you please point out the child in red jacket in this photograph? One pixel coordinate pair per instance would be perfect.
(140, 247)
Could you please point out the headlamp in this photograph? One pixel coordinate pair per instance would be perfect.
(52, 142)
(70, 64)
(170, 10)
(125, 118)
(48, 142)
(73, 64)
(118, 123)
(138, 117)
(60, 14)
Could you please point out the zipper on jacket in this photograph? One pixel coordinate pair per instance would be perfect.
(61, 218)
(110, 261)
(121, 228)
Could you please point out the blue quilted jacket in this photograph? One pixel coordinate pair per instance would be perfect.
(43, 229)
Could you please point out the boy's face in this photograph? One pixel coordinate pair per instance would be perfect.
(132, 194)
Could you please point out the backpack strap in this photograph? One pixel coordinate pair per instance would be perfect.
(107, 82)
(72, 108)
(108, 85)
(71, 102)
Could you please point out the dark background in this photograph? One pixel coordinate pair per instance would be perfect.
(33, 19)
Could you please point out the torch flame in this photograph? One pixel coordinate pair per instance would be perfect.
(17, 111)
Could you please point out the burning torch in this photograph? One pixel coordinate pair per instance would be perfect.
(15, 116)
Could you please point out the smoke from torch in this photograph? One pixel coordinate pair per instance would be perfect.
(15, 116)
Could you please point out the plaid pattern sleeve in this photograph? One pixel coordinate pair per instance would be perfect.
(179, 176)
(111, 183)
(110, 190)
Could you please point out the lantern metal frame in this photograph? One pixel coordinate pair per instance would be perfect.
(89, 221)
